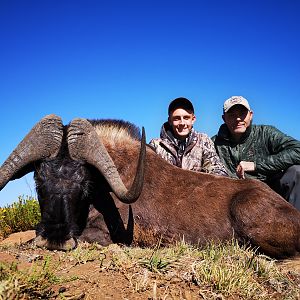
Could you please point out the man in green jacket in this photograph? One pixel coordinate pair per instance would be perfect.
(258, 151)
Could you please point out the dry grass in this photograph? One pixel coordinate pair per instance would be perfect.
(218, 271)
(34, 283)
(215, 272)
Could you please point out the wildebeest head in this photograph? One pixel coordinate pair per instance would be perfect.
(64, 187)
(64, 159)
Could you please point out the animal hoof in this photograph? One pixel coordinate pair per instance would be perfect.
(70, 244)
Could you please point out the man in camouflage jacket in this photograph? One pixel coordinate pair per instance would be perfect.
(182, 146)
(258, 151)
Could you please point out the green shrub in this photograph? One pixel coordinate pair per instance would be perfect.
(19, 216)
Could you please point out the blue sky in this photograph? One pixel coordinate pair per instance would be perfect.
(129, 59)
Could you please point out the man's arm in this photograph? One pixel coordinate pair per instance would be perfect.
(244, 166)
(284, 152)
(211, 161)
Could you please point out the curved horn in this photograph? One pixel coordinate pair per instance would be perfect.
(42, 141)
(85, 144)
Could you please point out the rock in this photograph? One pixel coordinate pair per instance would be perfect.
(18, 238)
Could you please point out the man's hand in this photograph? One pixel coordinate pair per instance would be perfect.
(243, 167)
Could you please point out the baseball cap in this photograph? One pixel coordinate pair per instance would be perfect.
(180, 102)
(234, 100)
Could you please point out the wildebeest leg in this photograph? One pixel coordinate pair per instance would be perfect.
(266, 220)
(44, 140)
(108, 218)
(113, 221)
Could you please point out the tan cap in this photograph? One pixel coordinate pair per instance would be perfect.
(234, 100)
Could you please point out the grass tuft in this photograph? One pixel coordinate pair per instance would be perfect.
(33, 283)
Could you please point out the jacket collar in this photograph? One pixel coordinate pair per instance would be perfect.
(225, 134)
(166, 133)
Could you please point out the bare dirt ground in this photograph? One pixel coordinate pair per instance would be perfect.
(92, 281)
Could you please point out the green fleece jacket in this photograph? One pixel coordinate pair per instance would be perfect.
(271, 150)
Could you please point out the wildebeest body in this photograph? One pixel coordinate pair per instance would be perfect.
(171, 203)
(176, 204)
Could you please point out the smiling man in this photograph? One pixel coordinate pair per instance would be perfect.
(184, 147)
(258, 151)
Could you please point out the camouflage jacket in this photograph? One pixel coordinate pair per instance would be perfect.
(196, 153)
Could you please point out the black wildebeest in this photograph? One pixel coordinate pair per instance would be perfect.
(91, 163)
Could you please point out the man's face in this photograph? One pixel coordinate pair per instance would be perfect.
(238, 119)
(181, 122)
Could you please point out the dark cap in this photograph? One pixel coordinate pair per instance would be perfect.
(180, 102)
